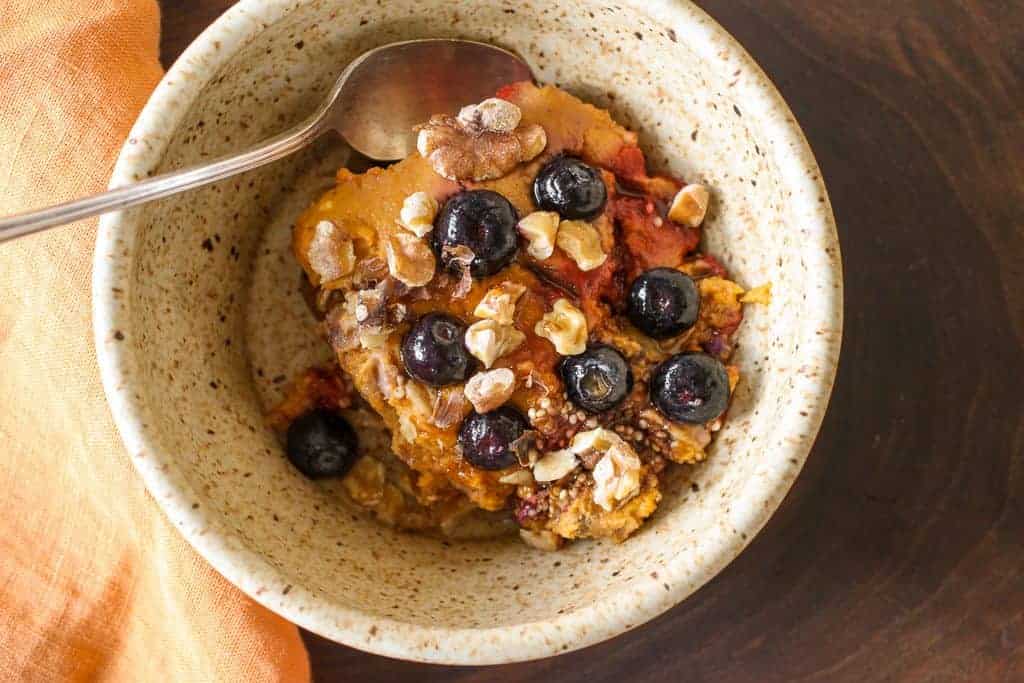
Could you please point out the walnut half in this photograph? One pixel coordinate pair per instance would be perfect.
(484, 142)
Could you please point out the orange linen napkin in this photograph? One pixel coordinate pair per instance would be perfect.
(95, 584)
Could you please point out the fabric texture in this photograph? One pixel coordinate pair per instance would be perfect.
(95, 583)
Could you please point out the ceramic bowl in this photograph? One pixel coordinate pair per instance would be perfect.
(199, 321)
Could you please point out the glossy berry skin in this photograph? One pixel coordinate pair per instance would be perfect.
(486, 439)
(433, 350)
(322, 444)
(485, 222)
(598, 379)
(571, 188)
(663, 303)
(690, 387)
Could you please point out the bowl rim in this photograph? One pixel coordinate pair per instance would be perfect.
(253, 574)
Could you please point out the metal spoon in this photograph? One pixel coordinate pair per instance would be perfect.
(374, 106)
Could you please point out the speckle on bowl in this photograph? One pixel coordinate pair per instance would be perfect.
(199, 321)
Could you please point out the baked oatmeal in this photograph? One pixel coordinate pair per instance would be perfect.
(526, 310)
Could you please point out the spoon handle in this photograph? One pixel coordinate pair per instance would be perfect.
(163, 185)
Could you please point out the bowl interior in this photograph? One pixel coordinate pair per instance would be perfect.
(212, 323)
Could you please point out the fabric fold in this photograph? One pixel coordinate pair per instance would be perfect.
(95, 583)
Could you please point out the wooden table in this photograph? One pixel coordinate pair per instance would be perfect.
(899, 554)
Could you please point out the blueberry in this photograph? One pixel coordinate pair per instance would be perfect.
(486, 439)
(322, 444)
(433, 350)
(690, 387)
(485, 222)
(663, 303)
(570, 187)
(598, 379)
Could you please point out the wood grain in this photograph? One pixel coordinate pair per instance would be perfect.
(899, 554)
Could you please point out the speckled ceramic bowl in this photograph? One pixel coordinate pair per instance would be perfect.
(198, 321)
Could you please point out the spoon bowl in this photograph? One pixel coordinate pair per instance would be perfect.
(374, 105)
(386, 92)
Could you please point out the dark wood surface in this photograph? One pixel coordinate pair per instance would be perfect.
(899, 554)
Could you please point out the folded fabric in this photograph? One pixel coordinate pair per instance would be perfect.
(95, 584)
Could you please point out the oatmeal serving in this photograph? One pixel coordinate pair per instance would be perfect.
(526, 311)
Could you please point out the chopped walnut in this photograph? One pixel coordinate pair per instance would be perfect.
(375, 313)
(598, 439)
(533, 378)
(459, 258)
(449, 408)
(539, 229)
(555, 465)
(617, 473)
(690, 206)
(489, 341)
(410, 260)
(491, 389)
(371, 308)
(331, 253)
(418, 212)
(581, 241)
(499, 303)
(484, 142)
(565, 326)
